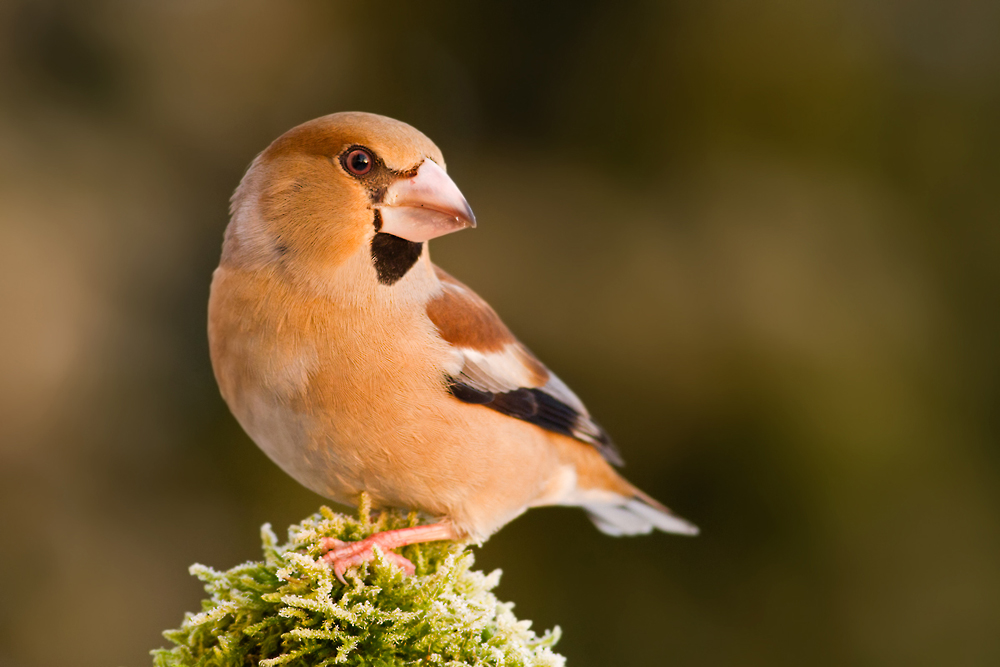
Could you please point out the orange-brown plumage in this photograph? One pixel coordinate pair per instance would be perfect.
(359, 366)
(465, 319)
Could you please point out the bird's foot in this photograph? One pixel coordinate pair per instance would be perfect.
(345, 555)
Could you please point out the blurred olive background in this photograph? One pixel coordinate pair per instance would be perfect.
(761, 240)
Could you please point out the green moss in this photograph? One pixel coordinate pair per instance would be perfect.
(291, 610)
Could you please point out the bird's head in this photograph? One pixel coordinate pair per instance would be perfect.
(340, 187)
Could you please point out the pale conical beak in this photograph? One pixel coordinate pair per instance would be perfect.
(424, 206)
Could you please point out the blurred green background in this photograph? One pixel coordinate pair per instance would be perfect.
(760, 239)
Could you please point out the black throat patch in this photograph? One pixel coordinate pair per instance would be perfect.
(393, 257)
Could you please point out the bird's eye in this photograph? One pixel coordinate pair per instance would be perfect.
(358, 162)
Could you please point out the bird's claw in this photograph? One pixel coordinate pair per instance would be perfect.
(344, 555)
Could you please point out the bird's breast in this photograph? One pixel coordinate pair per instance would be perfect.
(330, 391)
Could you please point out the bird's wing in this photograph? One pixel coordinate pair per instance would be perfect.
(493, 369)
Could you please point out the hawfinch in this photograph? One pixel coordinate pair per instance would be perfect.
(358, 365)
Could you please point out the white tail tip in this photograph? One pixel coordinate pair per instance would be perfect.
(634, 516)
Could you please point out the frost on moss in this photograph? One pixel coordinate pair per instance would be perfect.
(291, 610)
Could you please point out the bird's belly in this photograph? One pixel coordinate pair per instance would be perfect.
(289, 440)
(434, 454)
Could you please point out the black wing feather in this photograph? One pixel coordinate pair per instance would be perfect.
(538, 407)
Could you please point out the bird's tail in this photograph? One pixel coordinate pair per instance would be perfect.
(636, 515)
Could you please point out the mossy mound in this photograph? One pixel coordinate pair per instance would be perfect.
(291, 610)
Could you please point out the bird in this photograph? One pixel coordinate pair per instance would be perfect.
(359, 366)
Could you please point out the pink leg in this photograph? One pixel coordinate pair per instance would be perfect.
(344, 555)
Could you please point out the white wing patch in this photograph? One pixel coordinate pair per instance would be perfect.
(496, 372)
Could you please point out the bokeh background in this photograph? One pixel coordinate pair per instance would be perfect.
(760, 239)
